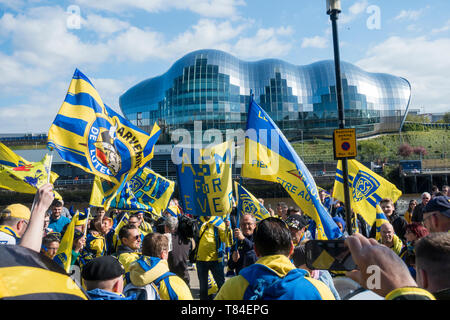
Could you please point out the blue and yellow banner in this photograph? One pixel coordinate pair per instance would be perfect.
(146, 190)
(269, 156)
(90, 135)
(248, 204)
(20, 175)
(9, 158)
(366, 189)
(64, 254)
(379, 220)
(204, 179)
(120, 224)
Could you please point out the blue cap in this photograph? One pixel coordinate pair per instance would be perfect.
(440, 203)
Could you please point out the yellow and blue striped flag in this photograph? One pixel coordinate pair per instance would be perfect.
(146, 190)
(90, 135)
(120, 224)
(379, 220)
(248, 204)
(20, 175)
(64, 254)
(269, 156)
(366, 189)
(9, 158)
(204, 179)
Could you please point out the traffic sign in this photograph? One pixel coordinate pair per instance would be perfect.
(344, 143)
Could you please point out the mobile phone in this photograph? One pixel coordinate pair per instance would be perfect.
(328, 255)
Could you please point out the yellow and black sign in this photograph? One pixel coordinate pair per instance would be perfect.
(344, 143)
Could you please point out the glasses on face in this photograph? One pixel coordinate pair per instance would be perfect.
(136, 237)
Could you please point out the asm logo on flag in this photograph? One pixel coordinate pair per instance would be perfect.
(364, 185)
(103, 151)
(247, 204)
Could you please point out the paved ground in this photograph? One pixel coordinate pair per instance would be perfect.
(195, 287)
(194, 284)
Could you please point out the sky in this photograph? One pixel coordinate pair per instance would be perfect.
(118, 43)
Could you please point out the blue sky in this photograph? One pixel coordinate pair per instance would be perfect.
(118, 43)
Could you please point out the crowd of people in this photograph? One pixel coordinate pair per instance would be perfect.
(139, 257)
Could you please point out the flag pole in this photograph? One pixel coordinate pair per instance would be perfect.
(49, 170)
(87, 220)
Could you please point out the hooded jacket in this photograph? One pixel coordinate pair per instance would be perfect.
(154, 270)
(262, 281)
(126, 257)
(100, 294)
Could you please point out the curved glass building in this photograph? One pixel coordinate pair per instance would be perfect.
(214, 87)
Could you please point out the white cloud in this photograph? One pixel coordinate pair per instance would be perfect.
(265, 44)
(43, 53)
(104, 26)
(205, 34)
(409, 15)
(422, 62)
(354, 12)
(315, 42)
(444, 28)
(207, 8)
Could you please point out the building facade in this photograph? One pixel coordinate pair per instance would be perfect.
(214, 87)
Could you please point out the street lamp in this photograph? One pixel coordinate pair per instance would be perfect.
(333, 10)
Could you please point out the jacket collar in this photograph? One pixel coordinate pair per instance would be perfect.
(279, 263)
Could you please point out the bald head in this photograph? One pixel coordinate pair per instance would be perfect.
(387, 233)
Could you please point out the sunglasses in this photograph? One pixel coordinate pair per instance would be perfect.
(138, 237)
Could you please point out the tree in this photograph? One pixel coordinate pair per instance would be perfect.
(405, 150)
(446, 117)
(422, 151)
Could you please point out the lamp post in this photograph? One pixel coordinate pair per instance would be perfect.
(333, 10)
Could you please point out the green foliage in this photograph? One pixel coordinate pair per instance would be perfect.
(385, 146)
(446, 117)
(417, 118)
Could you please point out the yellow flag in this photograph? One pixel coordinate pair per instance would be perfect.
(64, 254)
(123, 221)
(366, 188)
(9, 158)
(27, 176)
(380, 219)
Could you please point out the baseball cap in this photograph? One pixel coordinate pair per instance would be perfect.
(17, 210)
(102, 268)
(296, 221)
(439, 203)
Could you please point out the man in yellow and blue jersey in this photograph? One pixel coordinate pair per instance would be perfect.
(215, 235)
(273, 276)
(151, 270)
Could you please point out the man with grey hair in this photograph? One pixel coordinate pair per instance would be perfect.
(432, 262)
(179, 248)
(417, 215)
(243, 253)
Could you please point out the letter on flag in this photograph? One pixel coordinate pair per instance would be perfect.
(90, 135)
(248, 204)
(204, 178)
(146, 190)
(366, 188)
(269, 156)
